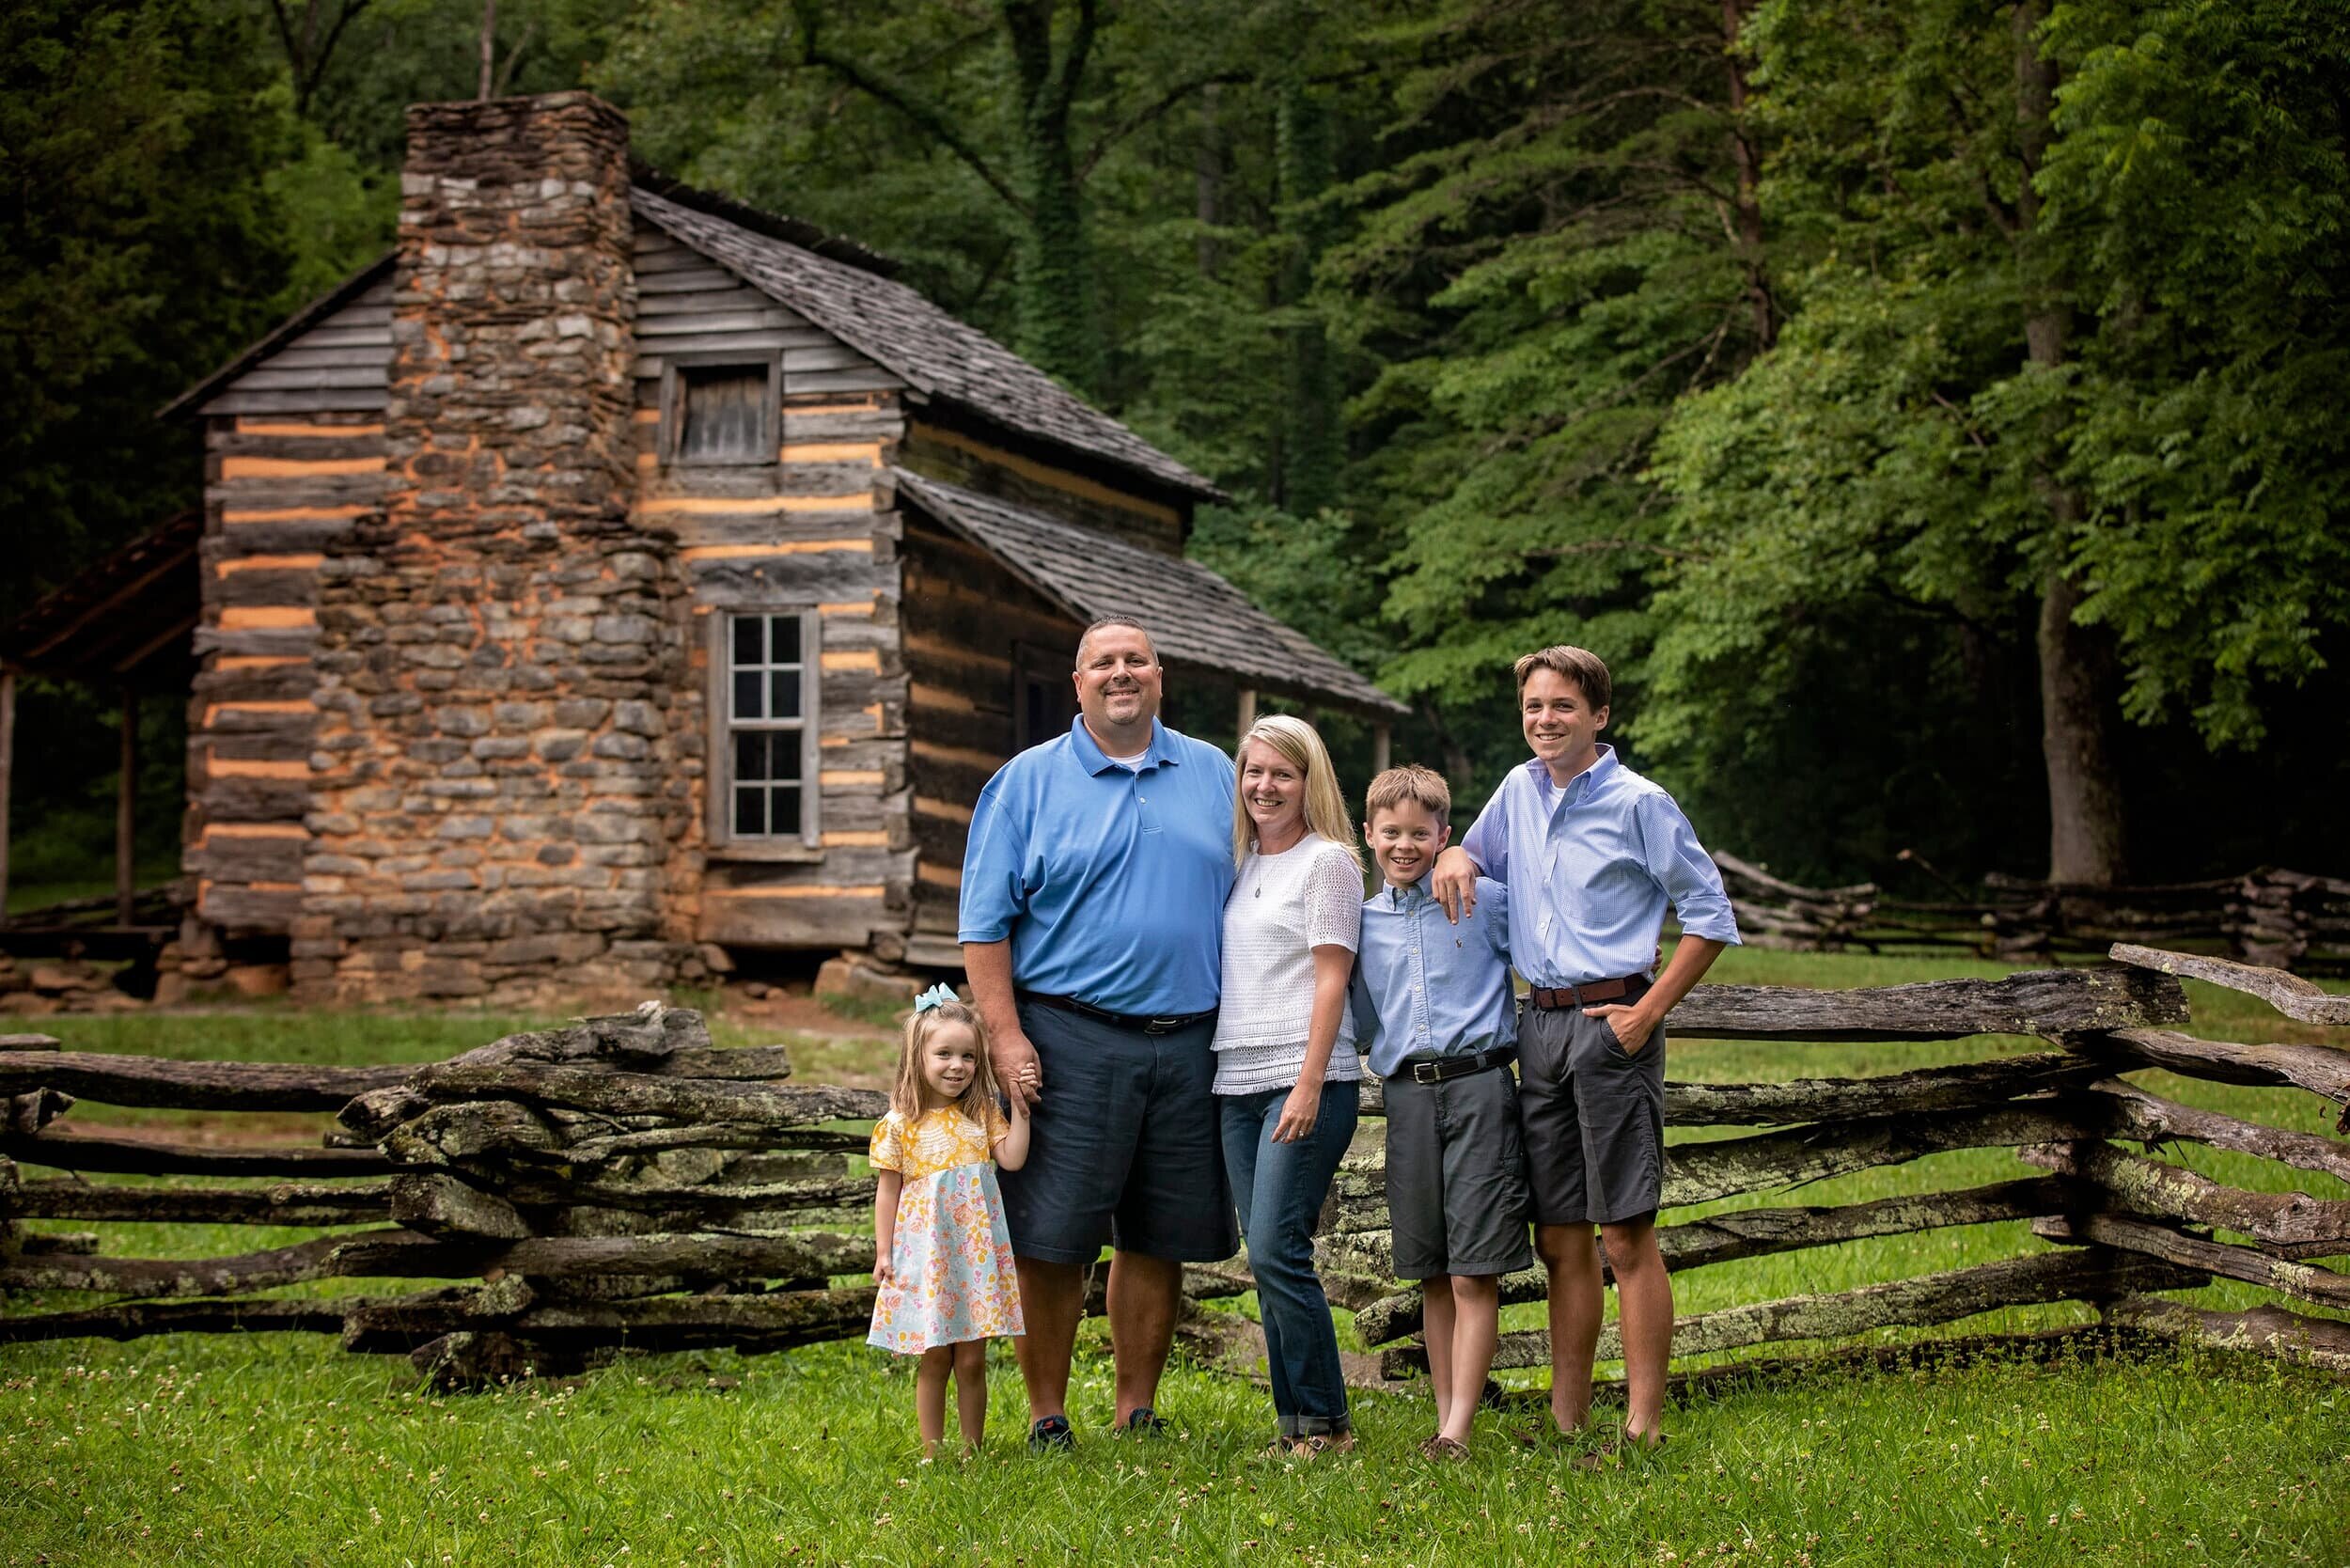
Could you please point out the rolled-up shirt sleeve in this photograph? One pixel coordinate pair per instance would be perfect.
(994, 879)
(1691, 881)
(1488, 838)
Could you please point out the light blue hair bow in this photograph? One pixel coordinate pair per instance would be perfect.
(937, 995)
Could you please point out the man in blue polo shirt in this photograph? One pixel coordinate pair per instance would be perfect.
(1091, 925)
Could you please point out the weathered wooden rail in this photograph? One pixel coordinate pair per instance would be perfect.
(623, 1184)
(2288, 919)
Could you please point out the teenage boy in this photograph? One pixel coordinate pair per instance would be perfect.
(1435, 1018)
(1591, 852)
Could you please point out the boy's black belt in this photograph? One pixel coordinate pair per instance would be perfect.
(1164, 1024)
(1588, 993)
(1436, 1069)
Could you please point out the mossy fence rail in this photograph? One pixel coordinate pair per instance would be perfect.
(622, 1185)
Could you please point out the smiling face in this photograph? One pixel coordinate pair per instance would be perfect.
(1405, 840)
(950, 1063)
(1272, 789)
(1118, 681)
(1561, 724)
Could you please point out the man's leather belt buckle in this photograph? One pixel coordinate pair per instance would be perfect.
(1584, 995)
(1163, 1025)
(1445, 1068)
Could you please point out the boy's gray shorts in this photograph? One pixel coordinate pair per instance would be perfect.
(1594, 1119)
(1456, 1175)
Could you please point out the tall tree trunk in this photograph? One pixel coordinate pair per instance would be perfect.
(1312, 447)
(1207, 180)
(1747, 220)
(1060, 327)
(2077, 699)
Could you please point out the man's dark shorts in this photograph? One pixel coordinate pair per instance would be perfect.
(1594, 1119)
(1456, 1175)
(1126, 1147)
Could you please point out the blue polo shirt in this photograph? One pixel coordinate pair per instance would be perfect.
(1109, 881)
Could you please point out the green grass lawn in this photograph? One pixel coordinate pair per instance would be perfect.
(282, 1449)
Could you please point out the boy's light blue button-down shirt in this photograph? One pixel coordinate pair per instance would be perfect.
(1590, 870)
(1109, 881)
(1424, 986)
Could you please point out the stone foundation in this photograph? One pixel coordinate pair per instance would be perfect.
(506, 751)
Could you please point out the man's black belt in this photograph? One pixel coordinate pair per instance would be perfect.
(1436, 1069)
(1165, 1024)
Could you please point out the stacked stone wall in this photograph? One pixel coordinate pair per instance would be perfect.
(506, 756)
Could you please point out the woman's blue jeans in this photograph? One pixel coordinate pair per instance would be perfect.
(1280, 1188)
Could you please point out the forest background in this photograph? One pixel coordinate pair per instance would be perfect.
(1932, 409)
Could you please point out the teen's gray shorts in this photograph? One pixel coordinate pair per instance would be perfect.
(1594, 1119)
(1125, 1147)
(1456, 1175)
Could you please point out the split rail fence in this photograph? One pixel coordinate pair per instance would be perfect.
(622, 1185)
(2279, 918)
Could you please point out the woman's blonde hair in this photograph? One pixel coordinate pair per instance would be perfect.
(1325, 807)
(905, 1095)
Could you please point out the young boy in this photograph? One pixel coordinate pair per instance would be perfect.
(1591, 854)
(1435, 1018)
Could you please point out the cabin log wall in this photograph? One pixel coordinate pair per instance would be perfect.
(804, 533)
(294, 454)
(989, 467)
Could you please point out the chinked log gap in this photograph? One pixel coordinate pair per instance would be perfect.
(588, 1175)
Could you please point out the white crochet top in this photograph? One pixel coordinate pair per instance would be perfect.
(1282, 907)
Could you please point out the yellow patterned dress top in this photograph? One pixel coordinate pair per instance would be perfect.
(952, 1276)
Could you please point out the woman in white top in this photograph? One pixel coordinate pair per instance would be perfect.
(1285, 1068)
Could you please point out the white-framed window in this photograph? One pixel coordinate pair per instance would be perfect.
(721, 408)
(764, 702)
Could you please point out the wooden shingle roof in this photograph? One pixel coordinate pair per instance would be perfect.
(944, 358)
(1195, 617)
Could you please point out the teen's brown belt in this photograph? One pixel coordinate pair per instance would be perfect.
(1588, 993)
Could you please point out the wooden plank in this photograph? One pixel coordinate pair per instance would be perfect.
(1933, 1299)
(2289, 994)
(727, 317)
(2289, 1224)
(2323, 1069)
(131, 1320)
(128, 1080)
(285, 1203)
(335, 441)
(242, 399)
(64, 1150)
(2129, 1111)
(2048, 1003)
(298, 494)
(2270, 1331)
(2304, 1282)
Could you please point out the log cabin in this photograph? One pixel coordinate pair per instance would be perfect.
(611, 571)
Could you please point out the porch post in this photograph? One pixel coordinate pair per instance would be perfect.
(8, 755)
(1382, 747)
(1247, 709)
(126, 809)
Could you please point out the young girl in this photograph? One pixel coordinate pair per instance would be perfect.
(941, 1254)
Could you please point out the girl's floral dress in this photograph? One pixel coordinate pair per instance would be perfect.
(953, 1277)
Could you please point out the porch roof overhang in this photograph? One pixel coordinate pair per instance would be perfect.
(1195, 617)
(128, 619)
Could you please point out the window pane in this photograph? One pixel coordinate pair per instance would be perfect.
(748, 694)
(750, 812)
(786, 688)
(750, 756)
(783, 639)
(787, 810)
(783, 755)
(723, 408)
(746, 645)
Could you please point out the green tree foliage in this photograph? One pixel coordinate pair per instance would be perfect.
(1906, 455)
(138, 248)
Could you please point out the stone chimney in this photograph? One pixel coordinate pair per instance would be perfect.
(499, 785)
